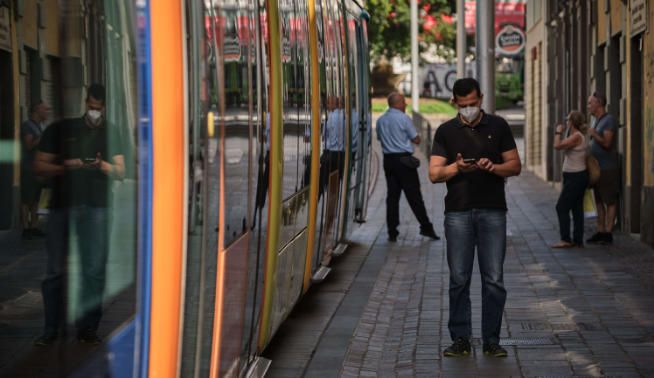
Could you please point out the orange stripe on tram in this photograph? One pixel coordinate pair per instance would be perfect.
(168, 185)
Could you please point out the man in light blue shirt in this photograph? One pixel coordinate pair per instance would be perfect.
(397, 135)
(333, 156)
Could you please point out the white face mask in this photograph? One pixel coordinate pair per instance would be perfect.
(94, 116)
(469, 113)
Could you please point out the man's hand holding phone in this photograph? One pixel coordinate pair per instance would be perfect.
(72, 164)
(465, 164)
(486, 165)
(92, 162)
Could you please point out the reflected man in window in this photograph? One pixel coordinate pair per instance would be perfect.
(333, 157)
(30, 188)
(83, 157)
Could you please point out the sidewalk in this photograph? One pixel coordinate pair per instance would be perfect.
(384, 310)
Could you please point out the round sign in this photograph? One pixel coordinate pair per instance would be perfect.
(510, 40)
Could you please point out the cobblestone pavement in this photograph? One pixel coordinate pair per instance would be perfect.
(384, 312)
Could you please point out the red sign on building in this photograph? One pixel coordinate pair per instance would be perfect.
(507, 12)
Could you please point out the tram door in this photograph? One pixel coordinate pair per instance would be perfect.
(359, 131)
(322, 190)
(222, 105)
(203, 192)
(332, 157)
(364, 123)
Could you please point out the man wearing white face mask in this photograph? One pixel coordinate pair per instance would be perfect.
(82, 156)
(474, 153)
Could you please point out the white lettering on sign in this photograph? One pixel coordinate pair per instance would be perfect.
(510, 41)
(638, 16)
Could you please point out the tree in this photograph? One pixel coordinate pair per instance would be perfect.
(389, 30)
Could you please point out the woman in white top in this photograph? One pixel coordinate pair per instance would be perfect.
(575, 178)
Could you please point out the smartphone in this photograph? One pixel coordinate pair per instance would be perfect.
(469, 160)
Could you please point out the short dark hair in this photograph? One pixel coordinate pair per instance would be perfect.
(600, 98)
(465, 86)
(97, 92)
(393, 98)
(35, 106)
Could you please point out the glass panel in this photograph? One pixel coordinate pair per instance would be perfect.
(355, 153)
(68, 182)
(258, 156)
(366, 125)
(331, 133)
(353, 63)
(294, 206)
(235, 33)
(203, 184)
(292, 133)
(261, 175)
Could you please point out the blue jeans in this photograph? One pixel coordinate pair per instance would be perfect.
(486, 230)
(572, 199)
(92, 234)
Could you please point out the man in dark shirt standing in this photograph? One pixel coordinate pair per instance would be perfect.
(474, 153)
(82, 156)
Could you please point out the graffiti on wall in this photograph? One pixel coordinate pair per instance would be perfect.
(436, 80)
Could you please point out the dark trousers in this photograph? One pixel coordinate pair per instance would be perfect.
(329, 162)
(402, 178)
(572, 199)
(91, 225)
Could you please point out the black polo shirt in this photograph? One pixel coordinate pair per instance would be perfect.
(73, 139)
(488, 139)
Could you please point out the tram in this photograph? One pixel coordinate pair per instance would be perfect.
(277, 162)
(245, 126)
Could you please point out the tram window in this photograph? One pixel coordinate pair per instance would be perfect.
(305, 105)
(353, 90)
(203, 189)
(291, 128)
(237, 119)
(68, 95)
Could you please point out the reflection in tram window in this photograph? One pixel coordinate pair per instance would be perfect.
(69, 259)
(236, 117)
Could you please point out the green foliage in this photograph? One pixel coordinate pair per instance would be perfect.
(437, 107)
(389, 30)
(426, 106)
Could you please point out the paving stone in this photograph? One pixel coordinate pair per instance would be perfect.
(581, 313)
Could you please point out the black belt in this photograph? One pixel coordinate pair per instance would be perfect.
(398, 154)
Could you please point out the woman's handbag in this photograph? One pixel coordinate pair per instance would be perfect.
(590, 211)
(592, 165)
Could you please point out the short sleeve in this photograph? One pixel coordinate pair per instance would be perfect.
(410, 130)
(116, 141)
(612, 124)
(507, 142)
(438, 147)
(379, 128)
(25, 130)
(48, 143)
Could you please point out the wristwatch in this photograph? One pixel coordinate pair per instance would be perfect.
(558, 133)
